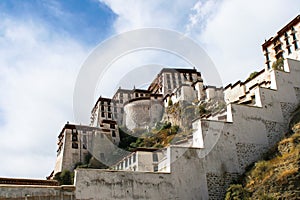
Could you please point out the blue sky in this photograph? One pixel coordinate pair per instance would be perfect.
(87, 21)
(44, 43)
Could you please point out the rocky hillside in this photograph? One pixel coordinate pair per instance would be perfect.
(276, 177)
(159, 136)
(182, 113)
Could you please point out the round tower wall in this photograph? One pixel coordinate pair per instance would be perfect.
(142, 113)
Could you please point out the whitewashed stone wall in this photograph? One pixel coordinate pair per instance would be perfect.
(34, 192)
(214, 93)
(104, 184)
(188, 93)
(233, 92)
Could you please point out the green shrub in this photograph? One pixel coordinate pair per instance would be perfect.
(278, 64)
(126, 139)
(65, 177)
(137, 143)
(202, 110)
(265, 197)
(174, 129)
(261, 168)
(236, 191)
(166, 125)
(170, 102)
(252, 75)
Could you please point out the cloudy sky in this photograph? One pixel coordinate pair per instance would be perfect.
(44, 43)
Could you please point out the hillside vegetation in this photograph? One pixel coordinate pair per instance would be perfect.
(276, 177)
(182, 113)
(160, 136)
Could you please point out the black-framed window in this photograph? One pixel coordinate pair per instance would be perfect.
(267, 58)
(154, 157)
(74, 145)
(74, 135)
(296, 45)
(113, 133)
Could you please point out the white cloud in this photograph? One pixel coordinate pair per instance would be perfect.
(38, 68)
(201, 12)
(234, 35)
(231, 31)
(150, 13)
